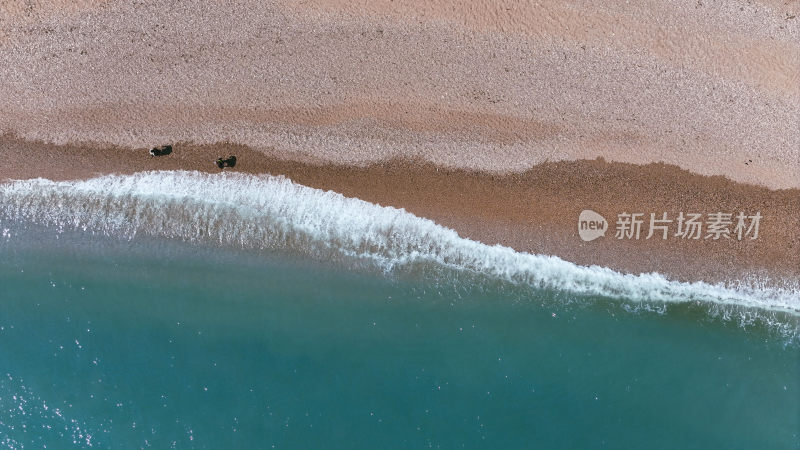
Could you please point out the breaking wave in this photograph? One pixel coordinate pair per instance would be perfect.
(262, 212)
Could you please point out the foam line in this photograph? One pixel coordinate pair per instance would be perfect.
(273, 212)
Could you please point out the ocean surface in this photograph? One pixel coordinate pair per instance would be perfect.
(184, 310)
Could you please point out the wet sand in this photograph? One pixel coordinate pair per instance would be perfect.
(535, 211)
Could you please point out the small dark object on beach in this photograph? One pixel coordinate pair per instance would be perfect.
(222, 163)
(160, 151)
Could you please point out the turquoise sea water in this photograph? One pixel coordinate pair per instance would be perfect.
(114, 341)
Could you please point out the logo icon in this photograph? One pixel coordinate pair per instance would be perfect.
(591, 225)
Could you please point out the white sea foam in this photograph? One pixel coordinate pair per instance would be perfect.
(273, 212)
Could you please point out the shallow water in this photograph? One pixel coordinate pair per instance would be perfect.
(231, 311)
(123, 343)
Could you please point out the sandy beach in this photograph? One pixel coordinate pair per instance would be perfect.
(448, 224)
(501, 120)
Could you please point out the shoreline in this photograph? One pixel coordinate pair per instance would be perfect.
(535, 211)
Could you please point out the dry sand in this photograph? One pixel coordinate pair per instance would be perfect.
(481, 85)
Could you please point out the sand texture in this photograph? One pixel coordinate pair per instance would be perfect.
(711, 87)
